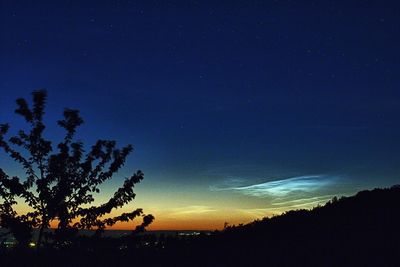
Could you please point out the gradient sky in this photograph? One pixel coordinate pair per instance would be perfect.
(236, 109)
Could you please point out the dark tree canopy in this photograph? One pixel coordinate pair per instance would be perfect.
(61, 181)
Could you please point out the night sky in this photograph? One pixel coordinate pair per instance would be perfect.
(236, 109)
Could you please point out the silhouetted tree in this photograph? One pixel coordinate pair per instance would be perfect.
(19, 225)
(61, 182)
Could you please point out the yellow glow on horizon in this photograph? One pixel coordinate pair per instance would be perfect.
(201, 211)
(191, 218)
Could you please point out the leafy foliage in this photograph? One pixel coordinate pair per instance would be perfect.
(60, 182)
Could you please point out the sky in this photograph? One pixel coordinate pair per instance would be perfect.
(236, 109)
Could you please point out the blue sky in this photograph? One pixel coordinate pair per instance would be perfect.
(218, 95)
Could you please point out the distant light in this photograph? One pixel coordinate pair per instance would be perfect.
(32, 244)
(190, 233)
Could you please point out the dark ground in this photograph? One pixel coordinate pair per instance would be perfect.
(362, 230)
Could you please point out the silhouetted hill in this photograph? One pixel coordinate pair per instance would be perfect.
(361, 230)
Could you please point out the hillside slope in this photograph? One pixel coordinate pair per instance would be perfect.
(363, 229)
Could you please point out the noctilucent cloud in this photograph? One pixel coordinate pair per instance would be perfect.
(237, 110)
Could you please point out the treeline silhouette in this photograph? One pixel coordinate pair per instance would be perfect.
(360, 230)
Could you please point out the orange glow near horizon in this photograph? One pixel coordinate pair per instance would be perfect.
(204, 224)
(178, 209)
(188, 217)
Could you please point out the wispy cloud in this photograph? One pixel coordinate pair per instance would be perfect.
(191, 210)
(285, 194)
(283, 187)
(302, 201)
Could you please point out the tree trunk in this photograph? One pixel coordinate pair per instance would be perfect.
(39, 240)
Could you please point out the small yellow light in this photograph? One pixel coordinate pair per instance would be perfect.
(32, 244)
